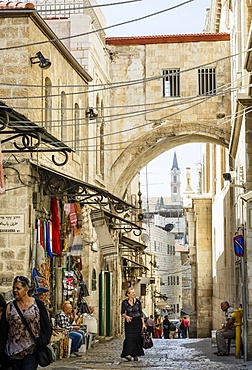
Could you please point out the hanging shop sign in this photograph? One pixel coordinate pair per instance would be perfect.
(12, 224)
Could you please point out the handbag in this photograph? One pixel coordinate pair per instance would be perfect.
(147, 340)
(46, 354)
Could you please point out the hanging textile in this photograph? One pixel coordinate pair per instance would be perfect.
(67, 209)
(73, 216)
(48, 244)
(55, 228)
(40, 251)
(83, 290)
(77, 243)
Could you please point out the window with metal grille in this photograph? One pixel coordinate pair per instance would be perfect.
(207, 81)
(171, 83)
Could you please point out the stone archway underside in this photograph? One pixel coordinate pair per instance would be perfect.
(149, 145)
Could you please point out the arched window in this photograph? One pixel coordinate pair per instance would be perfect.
(175, 179)
(48, 103)
(175, 190)
(76, 134)
(63, 115)
(94, 281)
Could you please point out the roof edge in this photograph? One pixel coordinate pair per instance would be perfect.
(165, 39)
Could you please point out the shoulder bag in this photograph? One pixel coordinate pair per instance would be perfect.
(147, 341)
(45, 355)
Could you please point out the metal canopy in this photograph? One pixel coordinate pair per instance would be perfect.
(132, 244)
(127, 263)
(60, 185)
(14, 125)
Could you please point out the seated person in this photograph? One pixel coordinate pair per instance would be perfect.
(227, 331)
(63, 320)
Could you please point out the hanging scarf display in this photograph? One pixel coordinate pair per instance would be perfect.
(48, 244)
(40, 250)
(73, 216)
(56, 248)
(77, 243)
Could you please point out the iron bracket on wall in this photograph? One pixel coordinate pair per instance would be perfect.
(30, 137)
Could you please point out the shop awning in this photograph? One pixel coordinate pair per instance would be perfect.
(132, 264)
(131, 244)
(58, 184)
(32, 138)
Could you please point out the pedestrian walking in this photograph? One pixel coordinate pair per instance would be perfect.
(5, 361)
(16, 341)
(150, 323)
(186, 324)
(182, 328)
(158, 326)
(133, 325)
(227, 331)
(166, 326)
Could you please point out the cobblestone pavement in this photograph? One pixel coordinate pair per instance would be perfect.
(172, 354)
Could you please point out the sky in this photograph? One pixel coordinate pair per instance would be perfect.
(184, 19)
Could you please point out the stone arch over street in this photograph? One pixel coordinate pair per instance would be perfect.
(148, 146)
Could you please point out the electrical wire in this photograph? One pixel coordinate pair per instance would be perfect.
(149, 123)
(136, 141)
(120, 84)
(96, 30)
(179, 101)
(114, 85)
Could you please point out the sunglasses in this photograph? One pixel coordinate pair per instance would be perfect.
(19, 279)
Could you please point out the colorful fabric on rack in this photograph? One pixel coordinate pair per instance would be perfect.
(48, 244)
(41, 234)
(40, 251)
(77, 244)
(73, 216)
(67, 209)
(56, 248)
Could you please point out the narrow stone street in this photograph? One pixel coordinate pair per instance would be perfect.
(165, 354)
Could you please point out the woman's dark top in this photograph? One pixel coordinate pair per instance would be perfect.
(166, 324)
(134, 310)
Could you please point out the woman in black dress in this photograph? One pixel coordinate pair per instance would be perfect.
(134, 324)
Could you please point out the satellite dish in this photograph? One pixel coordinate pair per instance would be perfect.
(145, 237)
(168, 227)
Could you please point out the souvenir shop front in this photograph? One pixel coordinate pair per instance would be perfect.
(60, 223)
(69, 229)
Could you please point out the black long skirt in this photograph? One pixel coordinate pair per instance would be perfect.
(132, 344)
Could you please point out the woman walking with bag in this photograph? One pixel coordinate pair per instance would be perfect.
(134, 324)
(16, 340)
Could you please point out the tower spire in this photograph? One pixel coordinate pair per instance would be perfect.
(175, 181)
(175, 162)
